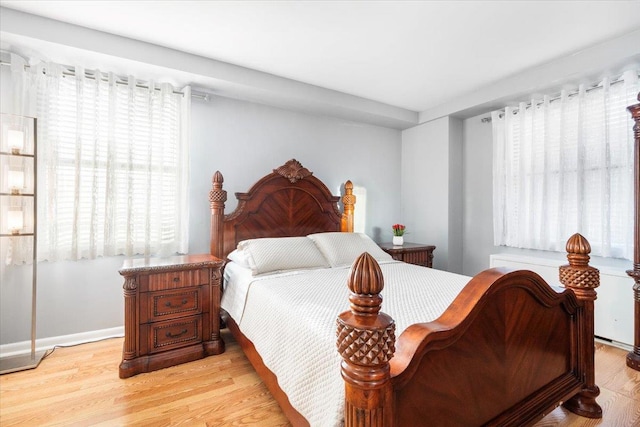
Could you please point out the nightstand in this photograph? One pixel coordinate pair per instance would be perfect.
(413, 253)
(171, 311)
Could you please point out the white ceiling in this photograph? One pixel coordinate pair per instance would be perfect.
(414, 55)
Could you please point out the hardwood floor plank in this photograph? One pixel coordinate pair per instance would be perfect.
(80, 386)
(620, 378)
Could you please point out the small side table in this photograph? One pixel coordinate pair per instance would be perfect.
(171, 311)
(412, 253)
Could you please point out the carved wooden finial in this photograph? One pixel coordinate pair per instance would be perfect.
(217, 197)
(366, 343)
(348, 202)
(365, 276)
(365, 283)
(217, 178)
(366, 337)
(578, 250)
(293, 171)
(365, 334)
(217, 194)
(349, 199)
(579, 275)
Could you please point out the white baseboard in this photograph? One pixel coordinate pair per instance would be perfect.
(620, 345)
(43, 344)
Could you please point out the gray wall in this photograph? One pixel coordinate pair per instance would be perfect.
(244, 141)
(477, 223)
(432, 189)
(456, 206)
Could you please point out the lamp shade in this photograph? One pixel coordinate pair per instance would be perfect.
(15, 180)
(15, 220)
(15, 140)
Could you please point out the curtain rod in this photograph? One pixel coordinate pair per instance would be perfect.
(557, 96)
(70, 71)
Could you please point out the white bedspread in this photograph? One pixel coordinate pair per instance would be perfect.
(291, 319)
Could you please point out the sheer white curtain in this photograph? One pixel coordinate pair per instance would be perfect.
(113, 163)
(565, 165)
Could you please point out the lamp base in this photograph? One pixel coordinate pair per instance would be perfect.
(20, 362)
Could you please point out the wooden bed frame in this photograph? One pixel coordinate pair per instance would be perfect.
(508, 350)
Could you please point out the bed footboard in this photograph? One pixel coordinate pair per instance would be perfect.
(507, 351)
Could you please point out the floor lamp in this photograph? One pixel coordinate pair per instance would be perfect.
(18, 208)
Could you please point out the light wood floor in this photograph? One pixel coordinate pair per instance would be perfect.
(80, 386)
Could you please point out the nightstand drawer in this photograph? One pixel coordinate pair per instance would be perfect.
(173, 334)
(412, 253)
(178, 279)
(417, 258)
(164, 305)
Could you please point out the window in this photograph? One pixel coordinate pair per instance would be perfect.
(113, 162)
(565, 165)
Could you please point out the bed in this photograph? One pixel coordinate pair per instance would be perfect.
(501, 348)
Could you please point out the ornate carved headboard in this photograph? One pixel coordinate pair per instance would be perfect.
(290, 201)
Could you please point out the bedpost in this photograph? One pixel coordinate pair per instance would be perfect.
(583, 279)
(348, 201)
(366, 342)
(633, 357)
(217, 197)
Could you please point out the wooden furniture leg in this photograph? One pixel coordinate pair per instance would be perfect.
(633, 358)
(583, 279)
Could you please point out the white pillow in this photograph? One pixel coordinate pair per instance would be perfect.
(240, 257)
(342, 249)
(272, 254)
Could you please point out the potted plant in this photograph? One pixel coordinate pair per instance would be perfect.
(398, 233)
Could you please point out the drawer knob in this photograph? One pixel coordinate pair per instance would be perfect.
(170, 335)
(169, 305)
(176, 279)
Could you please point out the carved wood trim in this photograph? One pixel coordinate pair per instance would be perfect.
(293, 171)
(583, 279)
(217, 198)
(633, 358)
(129, 349)
(366, 343)
(348, 202)
(216, 286)
(130, 283)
